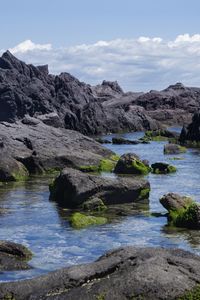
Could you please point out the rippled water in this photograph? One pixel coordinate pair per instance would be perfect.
(28, 217)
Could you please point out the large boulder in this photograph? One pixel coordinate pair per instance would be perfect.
(36, 148)
(125, 273)
(174, 201)
(14, 256)
(130, 163)
(72, 188)
(182, 211)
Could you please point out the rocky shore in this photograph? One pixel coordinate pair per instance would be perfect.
(43, 119)
(125, 273)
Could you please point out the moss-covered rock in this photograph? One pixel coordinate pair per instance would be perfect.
(144, 194)
(182, 211)
(79, 220)
(162, 168)
(160, 135)
(174, 149)
(130, 163)
(12, 170)
(186, 217)
(193, 294)
(105, 165)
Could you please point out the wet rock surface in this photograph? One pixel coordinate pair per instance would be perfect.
(13, 256)
(72, 188)
(130, 163)
(37, 148)
(125, 273)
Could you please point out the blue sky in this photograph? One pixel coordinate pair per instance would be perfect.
(64, 24)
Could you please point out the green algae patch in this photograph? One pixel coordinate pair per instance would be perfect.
(176, 158)
(193, 294)
(21, 174)
(139, 167)
(79, 220)
(185, 217)
(105, 165)
(144, 194)
(89, 168)
(171, 169)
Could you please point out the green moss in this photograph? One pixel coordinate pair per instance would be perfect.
(193, 294)
(184, 217)
(21, 174)
(182, 149)
(89, 168)
(115, 157)
(144, 194)
(53, 170)
(139, 167)
(100, 297)
(79, 220)
(95, 204)
(171, 169)
(105, 165)
(9, 297)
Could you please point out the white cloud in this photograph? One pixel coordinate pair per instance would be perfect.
(138, 64)
(28, 45)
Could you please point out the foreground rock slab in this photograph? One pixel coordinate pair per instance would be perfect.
(125, 273)
(13, 256)
(35, 147)
(72, 188)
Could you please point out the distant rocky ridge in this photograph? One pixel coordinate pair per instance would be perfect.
(64, 101)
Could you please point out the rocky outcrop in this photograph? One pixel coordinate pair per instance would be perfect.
(133, 273)
(130, 163)
(14, 256)
(72, 188)
(34, 147)
(64, 101)
(190, 135)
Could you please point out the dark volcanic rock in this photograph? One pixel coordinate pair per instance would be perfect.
(13, 256)
(183, 211)
(64, 101)
(41, 148)
(130, 163)
(122, 274)
(191, 133)
(122, 141)
(162, 168)
(72, 188)
(173, 201)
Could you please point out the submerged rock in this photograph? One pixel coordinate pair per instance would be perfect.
(125, 273)
(72, 188)
(122, 141)
(130, 163)
(174, 149)
(162, 168)
(183, 211)
(14, 256)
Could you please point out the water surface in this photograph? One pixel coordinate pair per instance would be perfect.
(28, 217)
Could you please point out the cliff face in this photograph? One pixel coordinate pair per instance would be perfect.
(64, 101)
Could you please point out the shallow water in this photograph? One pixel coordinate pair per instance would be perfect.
(31, 219)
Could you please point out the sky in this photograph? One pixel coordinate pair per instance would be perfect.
(143, 44)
